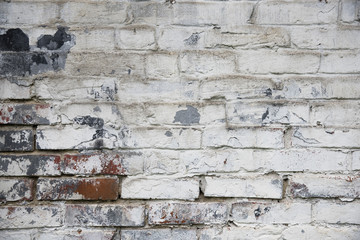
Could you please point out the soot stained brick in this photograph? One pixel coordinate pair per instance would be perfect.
(188, 116)
(14, 40)
(94, 122)
(54, 42)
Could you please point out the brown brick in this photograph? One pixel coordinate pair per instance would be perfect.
(78, 188)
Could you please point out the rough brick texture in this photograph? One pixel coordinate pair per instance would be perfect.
(179, 119)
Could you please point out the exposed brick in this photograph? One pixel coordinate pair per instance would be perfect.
(246, 113)
(294, 160)
(187, 213)
(31, 216)
(153, 188)
(325, 186)
(14, 89)
(16, 140)
(16, 189)
(135, 37)
(109, 215)
(270, 213)
(243, 137)
(120, 163)
(246, 186)
(281, 61)
(322, 232)
(78, 188)
(297, 12)
(155, 234)
(320, 137)
(345, 212)
(27, 114)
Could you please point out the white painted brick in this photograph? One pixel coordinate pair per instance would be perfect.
(153, 188)
(16, 235)
(156, 234)
(268, 232)
(258, 113)
(335, 113)
(181, 38)
(75, 89)
(296, 12)
(31, 216)
(204, 64)
(135, 37)
(158, 90)
(161, 162)
(207, 161)
(325, 186)
(93, 13)
(356, 160)
(320, 137)
(151, 13)
(243, 137)
(237, 87)
(101, 215)
(340, 62)
(212, 13)
(28, 13)
(161, 65)
(280, 61)
(349, 10)
(325, 37)
(14, 89)
(16, 189)
(321, 232)
(246, 186)
(346, 212)
(312, 160)
(74, 234)
(94, 40)
(270, 213)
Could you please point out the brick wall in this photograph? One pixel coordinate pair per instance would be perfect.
(207, 120)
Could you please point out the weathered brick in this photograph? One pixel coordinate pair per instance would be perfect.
(31, 216)
(312, 160)
(270, 213)
(16, 235)
(152, 13)
(76, 234)
(243, 137)
(340, 62)
(29, 165)
(224, 160)
(181, 38)
(187, 213)
(105, 215)
(246, 186)
(78, 188)
(325, 37)
(280, 61)
(16, 140)
(333, 113)
(28, 13)
(271, 232)
(27, 114)
(251, 113)
(104, 64)
(321, 232)
(161, 161)
(153, 188)
(18, 89)
(16, 189)
(161, 65)
(135, 37)
(235, 87)
(93, 13)
(212, 13)
(94, 40)
(89, 89)
(323, 186)
(355, 160)
(349, 11)
(320, 137)
(156, 234)
(205, 63)
(345, 212)
(119, 163)
(296, 12)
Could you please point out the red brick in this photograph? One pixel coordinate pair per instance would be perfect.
(78, 188)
